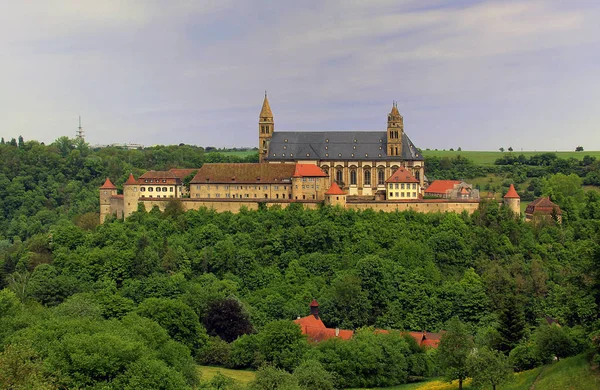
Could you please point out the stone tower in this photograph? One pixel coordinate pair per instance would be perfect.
(512, 200)
(266, 126)
(107, 190)
(131, 194)
(335, 196)
(395, 128)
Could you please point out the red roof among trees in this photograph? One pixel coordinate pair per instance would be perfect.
(108, 185)
(441, 186)
(335, 190)
(512, 193)
(543, 206)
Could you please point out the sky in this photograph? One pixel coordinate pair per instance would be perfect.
(479, 75)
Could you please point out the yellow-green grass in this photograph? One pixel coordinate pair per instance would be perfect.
(431, 384)
(240, 376)
(489, 157)
(574, 373)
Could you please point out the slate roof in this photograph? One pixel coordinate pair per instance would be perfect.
(336, 145)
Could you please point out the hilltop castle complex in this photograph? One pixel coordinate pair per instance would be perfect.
(380, 170)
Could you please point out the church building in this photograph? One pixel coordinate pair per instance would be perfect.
(360, 162)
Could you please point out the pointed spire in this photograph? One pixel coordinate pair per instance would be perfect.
(131, 180)
(512, 193)
(108, 185)
(266, 108)
(395, 111)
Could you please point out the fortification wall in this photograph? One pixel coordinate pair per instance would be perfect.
(117, 206)
(433, 206)
(222, 205)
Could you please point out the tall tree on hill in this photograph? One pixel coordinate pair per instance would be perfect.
(512, 324)
(488, 367)
(453, 351)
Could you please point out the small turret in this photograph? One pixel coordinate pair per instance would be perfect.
(314, 308)
(107, 190)
(512, 200)
(335, 196)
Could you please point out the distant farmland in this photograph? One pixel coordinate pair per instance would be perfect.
(488, 158)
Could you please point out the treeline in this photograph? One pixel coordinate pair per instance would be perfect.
(208, 278)
(518, 168)
(40, 184)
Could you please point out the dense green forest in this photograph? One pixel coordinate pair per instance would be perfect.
(138, 303)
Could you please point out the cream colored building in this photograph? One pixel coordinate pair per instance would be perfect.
(402, 186)
(358, 161)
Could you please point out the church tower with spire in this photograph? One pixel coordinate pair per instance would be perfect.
(266, 126)
(395, 129)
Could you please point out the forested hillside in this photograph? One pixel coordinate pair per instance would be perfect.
(136, 303)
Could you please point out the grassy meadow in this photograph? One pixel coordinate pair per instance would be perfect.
(489, 157)
(574, 373)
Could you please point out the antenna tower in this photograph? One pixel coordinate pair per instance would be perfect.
(80, 132)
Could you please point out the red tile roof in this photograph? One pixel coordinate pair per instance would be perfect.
(131, 180)
(244, 173)
(335, 190)
(183, 173)
(314, 303)
(441, 186)
(464, 191)
(512, 193)
(308, 170)
(402, 176)
(108, 185)
(542, 206)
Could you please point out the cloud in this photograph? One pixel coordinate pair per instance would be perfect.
(194, 72)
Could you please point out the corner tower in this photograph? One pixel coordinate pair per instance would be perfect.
(107, 190)
(131, 195)
(395, 128)
(266, 126)
(512, 200)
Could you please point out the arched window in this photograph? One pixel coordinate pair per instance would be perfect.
(380, 176)
(368, 178)
(339, 177)
(353, 177)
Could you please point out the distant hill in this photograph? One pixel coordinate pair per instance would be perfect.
(488, 157)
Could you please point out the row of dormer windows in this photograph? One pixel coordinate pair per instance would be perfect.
(157, 189)
(157, 181)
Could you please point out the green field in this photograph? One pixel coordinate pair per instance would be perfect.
(574, 373)
(489, 157)
(240, 376)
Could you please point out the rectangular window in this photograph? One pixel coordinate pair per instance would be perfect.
(226, 187)
(414, 186)
(227, 195)
(265, 188)
(402, 186)
(391, 194)
(402, 194)
(197, 195)
(276, 187)
(396, 185)
(208, 195)
(217, 195)
(208, 186)
(170, 189)
(414, 194)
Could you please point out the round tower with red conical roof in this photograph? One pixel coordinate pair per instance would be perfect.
(335, 196)
(107, 190)
(512, 200)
